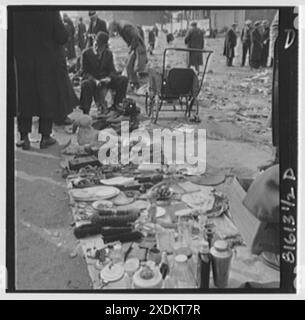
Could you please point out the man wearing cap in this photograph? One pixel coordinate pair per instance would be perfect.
(245, 39)
(256, 45)
(96, 25)
(137, 49)
(265, 38)
(230, 44)
(99, 74)
(195, 40)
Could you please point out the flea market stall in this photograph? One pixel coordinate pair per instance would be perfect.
(148, 227)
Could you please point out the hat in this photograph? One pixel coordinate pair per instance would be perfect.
(92, 13)
(257, 23)
(248, 22)
(194, 24)
(102, 37)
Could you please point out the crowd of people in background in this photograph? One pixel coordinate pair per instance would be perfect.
(255, 38)
(52, 97)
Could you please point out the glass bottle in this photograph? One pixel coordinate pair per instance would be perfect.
(181, 275)
(164, 267)
(203, 267)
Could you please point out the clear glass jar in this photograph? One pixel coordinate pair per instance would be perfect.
(181, 275)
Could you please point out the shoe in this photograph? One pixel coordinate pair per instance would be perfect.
(47, 142)
(118, 119)
(271, 259)
(24, 144)
(110, 114)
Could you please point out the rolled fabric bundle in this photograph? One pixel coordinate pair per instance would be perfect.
(113, 221)
(87, 230)
(123, 237)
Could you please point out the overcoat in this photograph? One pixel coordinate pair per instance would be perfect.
(36, 37)
(230, 43)
(195, 40)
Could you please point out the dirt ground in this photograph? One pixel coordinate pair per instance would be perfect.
(234, 107)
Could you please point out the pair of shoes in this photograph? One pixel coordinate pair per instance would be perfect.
(47, 142)
(24, 144)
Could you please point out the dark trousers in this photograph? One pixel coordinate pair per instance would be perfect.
(90, 90)
(246, 50)
(265, 53)
(229, 61)
(25, 126)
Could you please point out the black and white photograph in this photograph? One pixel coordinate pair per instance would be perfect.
(152, 149)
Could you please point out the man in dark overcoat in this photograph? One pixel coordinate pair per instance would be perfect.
(230, 44)
(266, 40)
(70, 45)
(99, 75)
(151, 40)
(81, 34)
(256, 46)
(195, 40)
(96, 25)
(36, 34)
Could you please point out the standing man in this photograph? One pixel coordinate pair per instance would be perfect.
(96, 25)
(70, 45)
(81, 34)
(246, 42)
(137, 50)
(194, 40)
(151, 40)
(256, 46)
(99, 75)
(230, 44)
(266, 40)
(36, 35)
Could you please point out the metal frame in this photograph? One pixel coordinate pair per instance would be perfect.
(189, 100)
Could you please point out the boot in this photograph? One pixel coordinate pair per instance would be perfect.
(46, 141)
(24, 142)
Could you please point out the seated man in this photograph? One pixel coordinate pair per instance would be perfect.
(99, 75)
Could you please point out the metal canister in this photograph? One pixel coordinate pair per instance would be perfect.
(221, 263)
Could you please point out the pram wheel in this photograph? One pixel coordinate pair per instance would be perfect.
(156, 108)
(149, 101)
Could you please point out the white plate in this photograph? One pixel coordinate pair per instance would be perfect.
(94, 193)
(199, 200)
(104, 203)
(117, 181)
(112, 272)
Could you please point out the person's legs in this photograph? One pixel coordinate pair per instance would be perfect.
(245, 49)
(24, 127)
(99, 97)
(45, 129)
(88, 88)
(119, 85)
(130, 67)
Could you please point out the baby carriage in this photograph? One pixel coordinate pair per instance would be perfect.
(174, 85)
